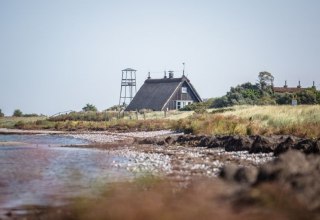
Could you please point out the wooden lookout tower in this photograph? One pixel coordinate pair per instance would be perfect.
(128, 86)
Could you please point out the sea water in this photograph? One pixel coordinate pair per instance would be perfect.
(36, 170)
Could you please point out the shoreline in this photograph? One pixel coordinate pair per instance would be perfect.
(5, 131)
(244, 164)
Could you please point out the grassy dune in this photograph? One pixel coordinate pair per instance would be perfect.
(278, 116)
(303, 121)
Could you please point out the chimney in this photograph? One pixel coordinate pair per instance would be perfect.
(149, 77)
(285, 84)
(313, 85)
(183, 68)
(165, 74)
(299, 85)
(170, 74)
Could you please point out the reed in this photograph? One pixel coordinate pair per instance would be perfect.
(302, 121)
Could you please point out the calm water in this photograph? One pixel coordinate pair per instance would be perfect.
(42, 173)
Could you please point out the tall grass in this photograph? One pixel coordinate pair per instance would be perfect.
(97, 121)
(213, 124)
(10, 122)
(279, 115)
(302, 121)
(121, 125)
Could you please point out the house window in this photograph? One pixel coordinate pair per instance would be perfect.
(178, 104)
(184, 90)
(182, 103)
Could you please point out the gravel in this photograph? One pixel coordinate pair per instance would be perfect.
(110, 137)
(178, 162)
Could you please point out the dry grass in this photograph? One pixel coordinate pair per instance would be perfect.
(278, 115)
(9, 122)
(148, 122)
(172, 115)
(114, 125)
(302, 121)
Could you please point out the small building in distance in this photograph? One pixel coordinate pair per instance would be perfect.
(168, 93)
(286, 89)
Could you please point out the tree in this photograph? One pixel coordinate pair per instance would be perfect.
(307, 97)
(89, 107)
(17, 113)
(1, 113)
(265, 81)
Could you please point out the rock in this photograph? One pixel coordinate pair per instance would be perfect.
(292, 170)
(228, 172)
(246, 175)
(214, 142)
(303, 145)
(289, 164)
(314, 148)
(204, 141)
(243, 175)
(299, 172)
(147, 141)
(262, 145)
(170, 140)
(190, 140)
(284, 146)
(161, 142)
(182, 139)
(9, 214)
(238, 143)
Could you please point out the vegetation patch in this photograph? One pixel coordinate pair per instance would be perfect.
(301, 121)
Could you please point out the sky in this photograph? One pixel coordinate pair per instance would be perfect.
(58, 55)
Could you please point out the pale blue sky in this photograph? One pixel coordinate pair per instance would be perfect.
(61, 54)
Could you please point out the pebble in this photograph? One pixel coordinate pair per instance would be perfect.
(182, 162)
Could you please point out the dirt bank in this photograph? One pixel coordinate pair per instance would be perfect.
(253, 144)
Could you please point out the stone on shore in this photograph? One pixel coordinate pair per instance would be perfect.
(263, 145)
(238, 143)
(293, 170)
(284, 146)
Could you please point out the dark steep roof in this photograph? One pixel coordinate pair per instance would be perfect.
(155, 93)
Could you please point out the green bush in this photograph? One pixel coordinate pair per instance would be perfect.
(89, 107)
(308, 96)
(244, 94)
(17, 113)
(284, 99)
(115, 108)
(86, 116)
(30, 115)
(19, 124)
(248, 94)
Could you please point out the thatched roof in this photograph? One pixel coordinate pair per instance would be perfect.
(155, 93)
(287, 89)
